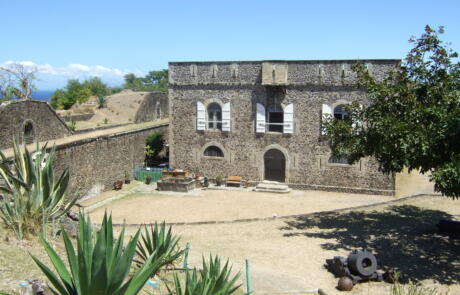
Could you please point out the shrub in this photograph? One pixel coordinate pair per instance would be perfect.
(213, 280)
(157, 241)
(32, 196)
(101, 265)
(72, 125)
(101, 102)
(154, 146)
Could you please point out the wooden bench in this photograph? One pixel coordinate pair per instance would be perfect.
(234, 180)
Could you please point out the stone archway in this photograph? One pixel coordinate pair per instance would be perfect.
(28, 132)
(274, 165)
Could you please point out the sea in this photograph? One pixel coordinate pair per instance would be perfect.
(42, 94)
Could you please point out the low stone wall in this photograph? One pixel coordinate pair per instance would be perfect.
(78, 117)
(96, 163)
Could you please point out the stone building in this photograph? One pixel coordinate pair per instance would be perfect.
(29, 121)
(262, 120)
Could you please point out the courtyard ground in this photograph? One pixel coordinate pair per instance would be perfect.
(142, 206)
(288, 254)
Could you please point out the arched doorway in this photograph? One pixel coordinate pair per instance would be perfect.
(29, 132)
(275, 165)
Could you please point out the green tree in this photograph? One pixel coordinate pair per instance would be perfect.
(157, 80)
(132, 82)
(154, 146)
(413, 119)
(57, 99)
(97, 87)
(153, 81)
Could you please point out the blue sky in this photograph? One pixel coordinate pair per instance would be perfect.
(77, 39)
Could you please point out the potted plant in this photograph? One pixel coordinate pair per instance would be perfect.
(148, 179)
(127, 180)
(219, 180)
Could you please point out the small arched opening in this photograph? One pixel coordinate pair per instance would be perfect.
(275, 165)
(213, 151)
(29, 132)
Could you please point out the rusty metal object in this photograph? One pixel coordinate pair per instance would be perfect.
(345, 284)
(359, 266)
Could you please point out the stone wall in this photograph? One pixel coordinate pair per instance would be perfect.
(307, 85)
(46, 123)
(96, 163)
(154, 106)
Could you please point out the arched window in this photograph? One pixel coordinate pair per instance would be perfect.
(213, 151)
(29, 134)
(340, 112)
(275, 118)
(214, 117)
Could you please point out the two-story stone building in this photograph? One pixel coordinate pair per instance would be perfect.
(262, 120)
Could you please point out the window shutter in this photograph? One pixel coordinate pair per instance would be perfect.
(359, 123)
(226, 117)
(326, 112)
(260, 118)
(200, 116)
(288, 126)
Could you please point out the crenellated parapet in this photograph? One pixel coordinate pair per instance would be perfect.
(276, 73)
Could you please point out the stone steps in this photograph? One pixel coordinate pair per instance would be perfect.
(272, 187)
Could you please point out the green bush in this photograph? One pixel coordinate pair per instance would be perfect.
(32, 196)
(158, 241)
(214, 279)
(101, 101)
(154, 146)
(101, 264)
(72, 125)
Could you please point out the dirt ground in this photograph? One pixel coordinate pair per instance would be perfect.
(288, 254)
(219, 205)
(120, 108)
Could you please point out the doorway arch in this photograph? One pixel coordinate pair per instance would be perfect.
(28, 132)
(274, 165)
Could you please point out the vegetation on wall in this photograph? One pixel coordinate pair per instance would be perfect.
(413, 119)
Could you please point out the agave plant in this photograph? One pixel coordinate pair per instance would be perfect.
(214, 279)
(101, 265)
(32, 195)
(158, 241)
(101, 101)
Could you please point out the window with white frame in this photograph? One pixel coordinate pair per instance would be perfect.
(214, 117)
(275, 119)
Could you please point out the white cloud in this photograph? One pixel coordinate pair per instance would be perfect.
(48, 73)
